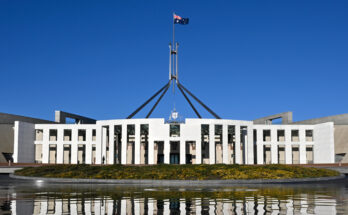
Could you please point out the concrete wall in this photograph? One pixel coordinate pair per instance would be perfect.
(6, 118)
(7, 133)
(61, 116)
(341, 119)
(341, 141)
(24, 148)
(286, 118)
(6, 140)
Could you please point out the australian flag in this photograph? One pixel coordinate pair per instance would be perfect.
(179, 20)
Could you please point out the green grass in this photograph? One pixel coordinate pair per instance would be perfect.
(178, 172)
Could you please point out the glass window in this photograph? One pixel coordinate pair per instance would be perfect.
(174, 130)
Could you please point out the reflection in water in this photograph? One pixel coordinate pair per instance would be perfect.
(23, 198)
(176, 206)
(250, 205)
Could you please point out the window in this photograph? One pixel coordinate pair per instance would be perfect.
(53, 134)
(82, 135)
(38, 134)
(281, 154)
(281, 136)
(267, 154)
(309, 154)
(94, 135)
(231, 133)
(144, 133)
(267, 135)
(174, 130)
(295, 136)
(52, 153)
(66, 153)
(295, 155)
(309, 135)
(94, 153)
(38, 153)
(67, 135)
(205, 133)
(173, 146)
(218, 133)
(81, 154)
(131, 133)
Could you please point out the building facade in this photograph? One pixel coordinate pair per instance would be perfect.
(155, 141)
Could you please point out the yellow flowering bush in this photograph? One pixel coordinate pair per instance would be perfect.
(176, 172)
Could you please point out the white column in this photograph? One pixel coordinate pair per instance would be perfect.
(198, 152)
(150, 206)
(198, 204)
(136, 207)
(43, 209)
(58, 207)
(212, 206)
(151, 151)
(274, 153)
(124, 144)
(166, 206)
(88, 153)
(111, 144)
(123, 206)
(224, 144)
(226, 207)
(89, 146)
(288, 154)
(274, 146)
(59, 146)
(16, 142)
(303, 155)
(259, 146)
(166, 151)
(74, 144)
(249, 146)
(88, 207)
(237, 145)
(302, 148)
(137, 144)
(45, 146)
(211, 144)
(182, 151)
(98, 145)
(104, 140)
(59, 152)
(288, 148)
(102, 207)
(182, 206)
(73, 207)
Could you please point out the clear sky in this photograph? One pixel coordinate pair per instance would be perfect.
(245, 59)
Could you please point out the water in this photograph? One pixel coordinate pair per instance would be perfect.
(35, 197)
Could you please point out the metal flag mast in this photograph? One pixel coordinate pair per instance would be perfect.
(174, 79)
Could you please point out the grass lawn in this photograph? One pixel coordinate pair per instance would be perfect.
(179, 172)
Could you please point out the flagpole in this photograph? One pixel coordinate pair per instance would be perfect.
(173, 31)
(172, 52)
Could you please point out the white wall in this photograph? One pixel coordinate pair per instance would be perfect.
(190, 130)
(324, 149)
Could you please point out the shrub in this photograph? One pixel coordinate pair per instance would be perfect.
(178, 172)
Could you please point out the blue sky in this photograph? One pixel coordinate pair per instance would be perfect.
(244, 59)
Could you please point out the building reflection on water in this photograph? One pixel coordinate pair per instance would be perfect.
(300, 204)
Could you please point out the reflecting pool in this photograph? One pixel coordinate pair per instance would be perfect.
(37, 197)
